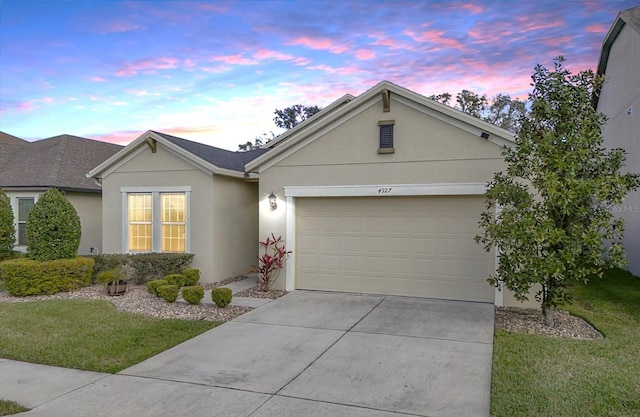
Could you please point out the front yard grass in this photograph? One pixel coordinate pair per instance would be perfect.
(87, 334)
(545, 376)
(10, 407)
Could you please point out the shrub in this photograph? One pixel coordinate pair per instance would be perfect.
(140, 268)
(191, 276)
(193, 294)
(221, 296)
(105, 262)
(175, 279)
(152, 286)
(24, 276)
(7, 230)
(53, 228)
(168, 292)
(110, 275)
(271, 261)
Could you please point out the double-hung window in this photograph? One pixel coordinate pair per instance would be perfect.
(157, 220)
(25, 204)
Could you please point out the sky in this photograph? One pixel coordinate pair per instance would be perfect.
(215, 71)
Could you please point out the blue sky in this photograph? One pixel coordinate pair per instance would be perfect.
(214, 71)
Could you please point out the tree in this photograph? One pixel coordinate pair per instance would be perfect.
(443, 98)
(554, 223)
(294, 115)
(53, 228)
(7, 229)
(258, 142)
(505, 112)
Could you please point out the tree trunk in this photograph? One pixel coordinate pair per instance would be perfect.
(547, 313)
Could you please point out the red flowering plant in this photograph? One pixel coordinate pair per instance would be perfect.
(271, 261)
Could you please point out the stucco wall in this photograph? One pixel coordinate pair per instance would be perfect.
(89, 209)
(621, 91)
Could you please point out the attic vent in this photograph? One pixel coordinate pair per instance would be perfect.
(484, 135)
(386, 136)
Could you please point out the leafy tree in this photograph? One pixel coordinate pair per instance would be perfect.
(294, 115)
(443, 98)
(554, 223)
(258, 142)
(7, 229)
(472, 103)
(53, 228)
(505, 112)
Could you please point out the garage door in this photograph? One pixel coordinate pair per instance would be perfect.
(415, 246)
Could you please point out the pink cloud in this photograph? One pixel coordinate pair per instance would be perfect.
(234, 59)
(335, 70)
(319, 44)
(216, 8)
(122, 137)
(597, 28)
(365, 54)
(538, 22)
(562, 40)
(473, 8)
(150, 65)
(119, 26)
(263, 54)
(302, 61)
(436, 37)
(98, 79)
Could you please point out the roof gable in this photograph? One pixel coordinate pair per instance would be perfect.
(429, 107)
(6, 138)
(207, 158)
(60, 161)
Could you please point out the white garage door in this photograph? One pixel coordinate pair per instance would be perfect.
(415, 246)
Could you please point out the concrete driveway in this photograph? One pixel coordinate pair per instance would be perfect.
(311, 354)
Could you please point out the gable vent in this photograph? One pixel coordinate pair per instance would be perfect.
(386, 136)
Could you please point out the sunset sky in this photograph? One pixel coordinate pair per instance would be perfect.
(214, 71)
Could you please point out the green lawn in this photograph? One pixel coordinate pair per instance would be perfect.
(545, 376)
(87, 334)
(10, 407)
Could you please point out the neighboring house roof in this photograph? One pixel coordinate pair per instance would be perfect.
(60, 162)
(629, 17)
(347, 104)
(208, 158)
(10, 139)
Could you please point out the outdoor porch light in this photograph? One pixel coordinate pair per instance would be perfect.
(272, 201)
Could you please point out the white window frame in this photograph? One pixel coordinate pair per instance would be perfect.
(156, 223)
(13, 199)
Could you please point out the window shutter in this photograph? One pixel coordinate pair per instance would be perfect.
(386, 136)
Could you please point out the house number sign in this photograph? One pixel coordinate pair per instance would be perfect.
(384, 190)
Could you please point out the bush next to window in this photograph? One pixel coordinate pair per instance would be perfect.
(221, 296)
(7, 230)
(24, 276)
(168, 292)
(106, 262)
(191, 276)
(193, 294)
(144, 267)
(53, 228)
(152, 286)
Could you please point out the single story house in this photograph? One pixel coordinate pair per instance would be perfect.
(380, 193)
(28, 169)
(619, 100)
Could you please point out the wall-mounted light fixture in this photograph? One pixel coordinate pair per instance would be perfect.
(272, 201)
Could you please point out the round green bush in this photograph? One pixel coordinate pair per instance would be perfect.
(24, 276)
(7, 230)
(168, 292)
(175, 279)
(53, 228)
(221, 296)
(191, 276)
(152, 286)
(193, 294)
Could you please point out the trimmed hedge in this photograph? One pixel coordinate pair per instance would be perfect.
(24, 277)
(140, 268)
(175, 279)
(7, 229)
(193, 294)
(152, 286)
(168, 292)
(53, 228)
(191, 276)
(221, 296)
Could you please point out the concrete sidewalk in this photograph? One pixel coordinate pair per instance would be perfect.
(308, 353)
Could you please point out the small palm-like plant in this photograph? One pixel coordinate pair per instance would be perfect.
(271, 261)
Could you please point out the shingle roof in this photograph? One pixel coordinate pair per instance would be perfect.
(221, 158)
(10, 139)
(61, 161)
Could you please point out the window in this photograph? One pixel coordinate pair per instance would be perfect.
(386, 136)
(157, 221)
(25, 204)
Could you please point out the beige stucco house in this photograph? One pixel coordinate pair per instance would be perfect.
(620, 101)
(382, 193)
(166, 194)
(28, 169)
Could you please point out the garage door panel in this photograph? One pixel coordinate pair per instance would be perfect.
(417, 246)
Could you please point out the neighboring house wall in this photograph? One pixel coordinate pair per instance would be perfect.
(620, 101)
(211, 201)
